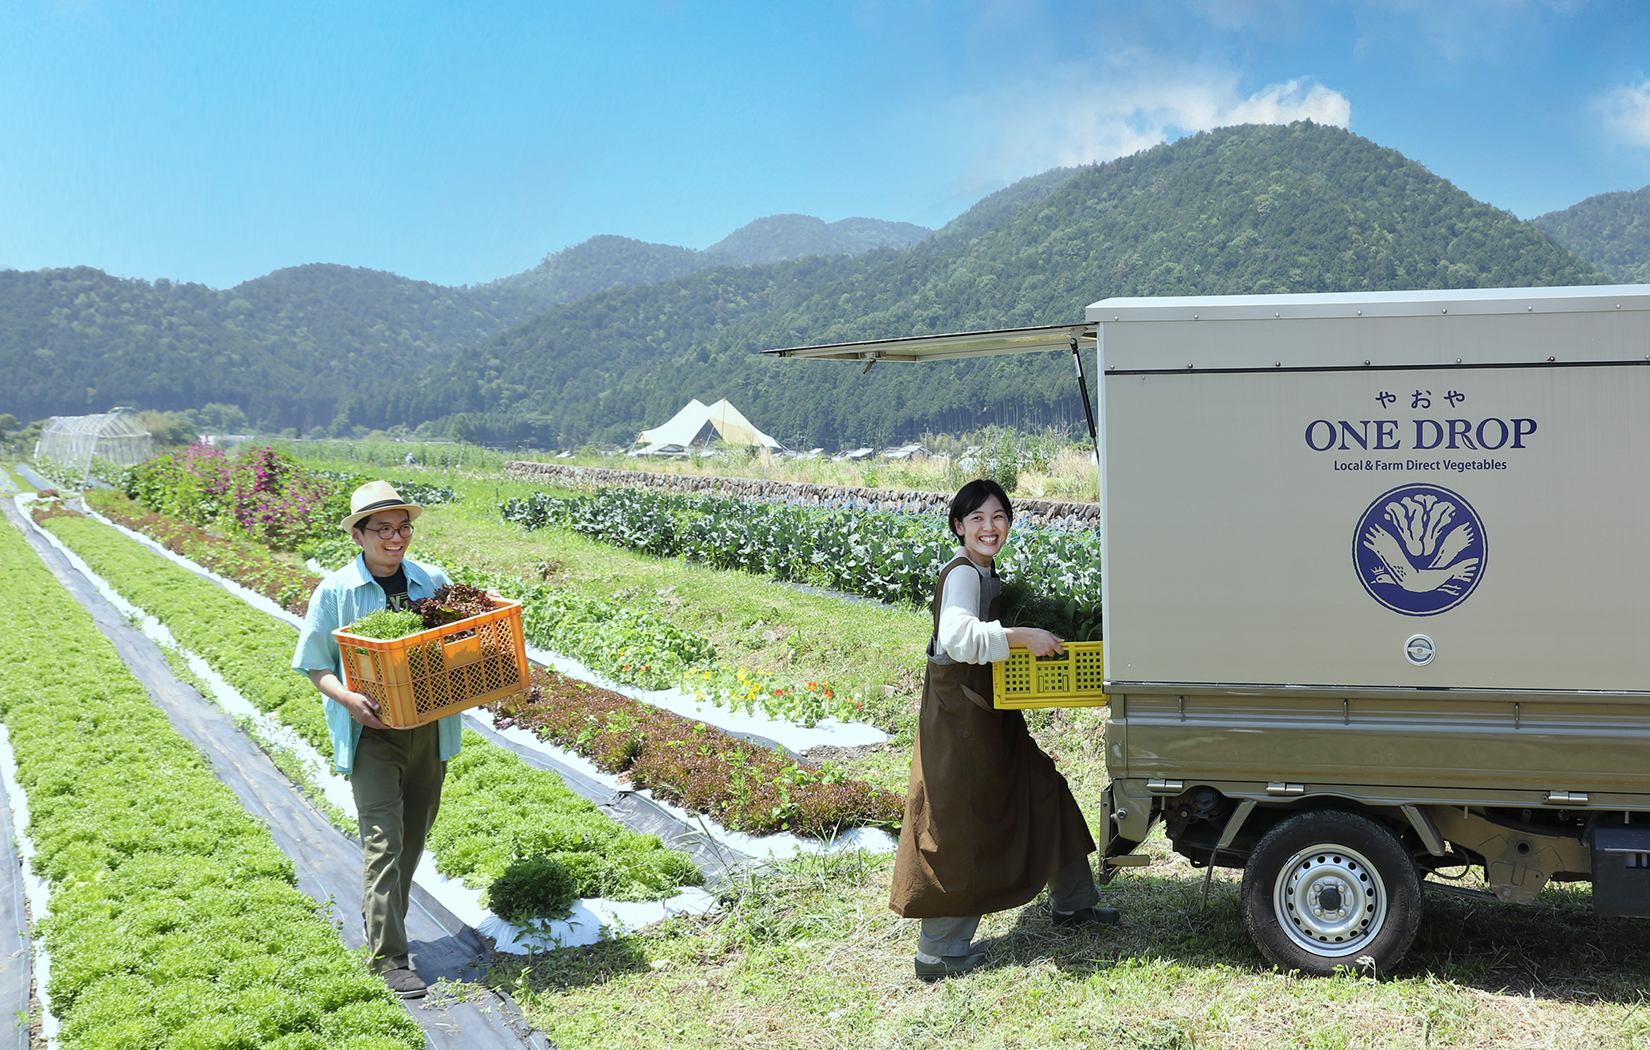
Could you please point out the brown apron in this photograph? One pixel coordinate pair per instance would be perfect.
(987, 817)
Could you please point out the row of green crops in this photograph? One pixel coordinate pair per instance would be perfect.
(628, 645)
(187, 490)
(266, 495)
(249, 564)
(174, 919)
(478, 835)
(258, 491)
(1052, 577)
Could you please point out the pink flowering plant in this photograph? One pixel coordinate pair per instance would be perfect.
(259, 493)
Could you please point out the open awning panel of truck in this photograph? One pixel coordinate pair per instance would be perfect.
(1041, 339)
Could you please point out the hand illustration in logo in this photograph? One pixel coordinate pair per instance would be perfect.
(1412, 549)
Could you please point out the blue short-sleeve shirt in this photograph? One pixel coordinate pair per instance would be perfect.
(342, 598)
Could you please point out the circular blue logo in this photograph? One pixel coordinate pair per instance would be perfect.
(1419, 550)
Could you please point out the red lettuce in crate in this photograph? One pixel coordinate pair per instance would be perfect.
(451, 603)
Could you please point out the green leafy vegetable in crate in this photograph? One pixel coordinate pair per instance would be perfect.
(385, 625)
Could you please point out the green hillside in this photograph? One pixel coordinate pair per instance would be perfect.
(1253, 209)
(78, 341)
(597, 264)
(781, 237)
(286, 347)
(1611, 231)
(614, 334)
(307, 345)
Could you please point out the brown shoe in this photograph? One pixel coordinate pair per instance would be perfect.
(404, 983)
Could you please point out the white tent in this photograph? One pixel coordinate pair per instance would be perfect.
(697, 424)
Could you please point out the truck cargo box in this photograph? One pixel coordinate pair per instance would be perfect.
(1414, 491)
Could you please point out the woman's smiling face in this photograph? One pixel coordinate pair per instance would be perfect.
(983, 531)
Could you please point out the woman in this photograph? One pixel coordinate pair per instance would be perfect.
(988, 819)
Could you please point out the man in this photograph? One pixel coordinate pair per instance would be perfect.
(396, 774)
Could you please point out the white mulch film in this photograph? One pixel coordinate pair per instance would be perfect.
(589, 916)
(34, 888)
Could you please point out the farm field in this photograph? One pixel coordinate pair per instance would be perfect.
(806, 954)
(1054, 464)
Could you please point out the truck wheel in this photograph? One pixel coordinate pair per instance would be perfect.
(1329, 889)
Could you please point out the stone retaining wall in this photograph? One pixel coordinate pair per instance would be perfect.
(1047, 511)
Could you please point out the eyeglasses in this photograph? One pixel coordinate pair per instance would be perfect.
(389, 532)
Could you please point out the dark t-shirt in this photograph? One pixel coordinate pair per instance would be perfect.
(395, 590)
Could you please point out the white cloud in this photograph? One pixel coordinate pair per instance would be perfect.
(1076, 118)
(1625, 114)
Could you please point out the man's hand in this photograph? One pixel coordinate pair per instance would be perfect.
(361, 708)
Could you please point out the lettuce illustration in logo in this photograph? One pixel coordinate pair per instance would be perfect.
(1419, 550)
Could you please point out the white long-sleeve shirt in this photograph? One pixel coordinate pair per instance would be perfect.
(963, 636)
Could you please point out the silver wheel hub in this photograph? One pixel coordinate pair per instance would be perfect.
(1330, 900)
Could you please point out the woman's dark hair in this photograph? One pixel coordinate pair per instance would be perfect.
(972, 496)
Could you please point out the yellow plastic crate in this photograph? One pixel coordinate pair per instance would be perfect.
(1072, 680)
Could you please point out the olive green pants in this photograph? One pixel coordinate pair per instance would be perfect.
(397, 785)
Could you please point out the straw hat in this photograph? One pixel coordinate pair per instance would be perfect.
(373, 497)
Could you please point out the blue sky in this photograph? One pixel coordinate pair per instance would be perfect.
(458, 143)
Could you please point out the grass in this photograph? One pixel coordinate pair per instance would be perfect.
(811, 957)
(10, 470)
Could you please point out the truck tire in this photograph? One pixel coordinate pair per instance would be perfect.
(1329, 889)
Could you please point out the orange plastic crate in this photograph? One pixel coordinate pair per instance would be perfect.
(1072, 680)
(421, 677)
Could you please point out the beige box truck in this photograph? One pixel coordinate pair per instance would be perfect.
(1376, 595)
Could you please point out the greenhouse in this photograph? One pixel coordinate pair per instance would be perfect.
(72, 442)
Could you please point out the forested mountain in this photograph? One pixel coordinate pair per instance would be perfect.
(781, 237)
(79, 341)
(609, 262)
(305, 345)
(1254, 209)
(600, 263)
(1611, 231)
(287, 347)
(615, 334)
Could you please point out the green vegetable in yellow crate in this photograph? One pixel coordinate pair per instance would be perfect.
(988, 819)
